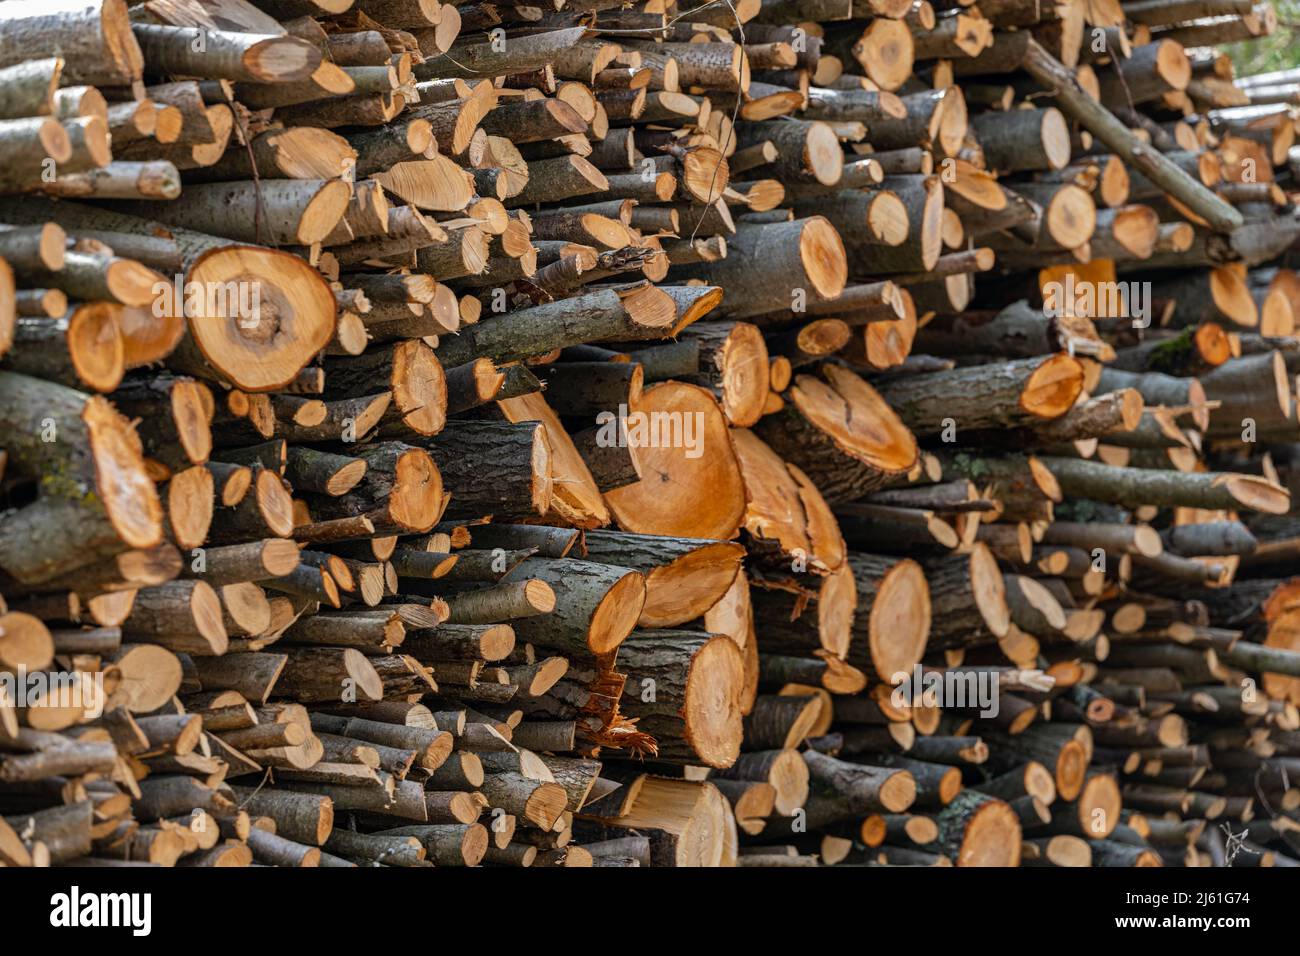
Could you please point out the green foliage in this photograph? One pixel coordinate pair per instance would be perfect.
(1280, 51)
(970, 466)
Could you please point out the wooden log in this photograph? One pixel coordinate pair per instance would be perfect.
(841, 434)
(1071, 98)
(693, 698)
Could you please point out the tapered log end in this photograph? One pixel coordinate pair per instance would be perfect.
(858, 419)
(282, 59)
(1232, 297)
(363, 675)
(205, 607)
(770, 511)
(1053, 387)
(1044, 480)
(323, 211)
(689, 586)
(617, 613)
(1259, 494)
(823, 530)
(121, 480)
(989, 589)
(575, 499)
(345, 478)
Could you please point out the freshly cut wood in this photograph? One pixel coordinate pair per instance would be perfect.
(1012, 393)
(222, 54)
(103, 483)
(697, 680)
(94, 39)
(771, 434)
(576, 499)
(968, 599)
(841, 433)
(401, 490)
(684, 576)
(732, 356)
(777, 265)
(1024, 139)
(785, 514)
(892, 623)
(683, 444)
(1089, 479)
(978, 830)
(596, 605)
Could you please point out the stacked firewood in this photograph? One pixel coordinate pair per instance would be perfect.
(768, 432)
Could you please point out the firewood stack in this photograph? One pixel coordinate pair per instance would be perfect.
(507, 435)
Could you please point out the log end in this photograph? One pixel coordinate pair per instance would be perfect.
(823, 256)
(617, 613)
(274, 315)
(991, 837)
(899, 622)
(711, 711)
(689, 586)
(989, 588)
(1053, 387)
(122, 482)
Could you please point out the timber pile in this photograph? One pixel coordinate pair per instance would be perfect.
(563, 427)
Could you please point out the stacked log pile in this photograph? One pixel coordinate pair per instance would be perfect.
(770, 432)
